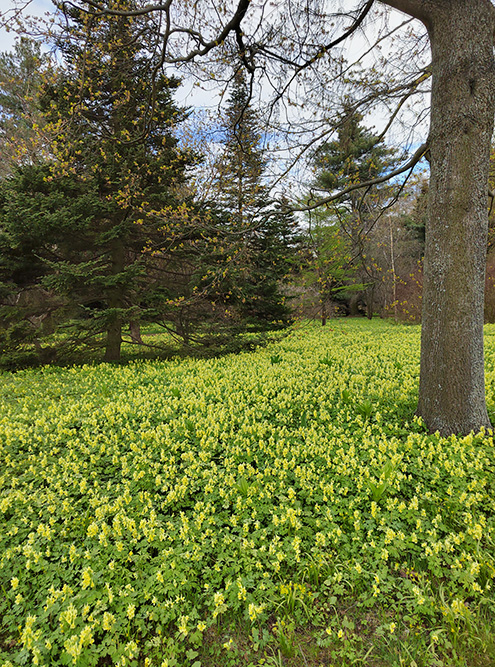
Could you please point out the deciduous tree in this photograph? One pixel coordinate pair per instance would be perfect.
(452, 388)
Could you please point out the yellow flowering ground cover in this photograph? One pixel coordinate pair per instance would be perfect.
(201, 512)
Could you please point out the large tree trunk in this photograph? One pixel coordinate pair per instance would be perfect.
(452, 386)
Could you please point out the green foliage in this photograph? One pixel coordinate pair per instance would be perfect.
(22, 72)
(242, 163)
(106, 231)
(342, 258)
(106, 224)
(327, 266)
(355, 156)
(264, 235)
(182, 512)
(416, 222)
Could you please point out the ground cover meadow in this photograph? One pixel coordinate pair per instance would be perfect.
(279, 507)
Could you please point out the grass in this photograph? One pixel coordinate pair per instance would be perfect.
(279, 507)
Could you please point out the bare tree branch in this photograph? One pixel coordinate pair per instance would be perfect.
(232, 26)
(105, 11)
(413, 86)
(326, 48)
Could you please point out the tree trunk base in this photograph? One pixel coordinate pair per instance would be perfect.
(452, 425)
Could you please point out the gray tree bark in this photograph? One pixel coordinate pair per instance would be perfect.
(452, 386)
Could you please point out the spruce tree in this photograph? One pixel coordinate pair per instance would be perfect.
(264, 234)
(355, 156)
(22, 72)
(241, 167)
(111, 204)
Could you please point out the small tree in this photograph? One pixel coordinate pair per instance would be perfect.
(326, 270)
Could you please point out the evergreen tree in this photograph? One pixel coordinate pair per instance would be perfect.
(356, 155)
(109, 207)
(264, 234)
(22, 72)
(241, 166)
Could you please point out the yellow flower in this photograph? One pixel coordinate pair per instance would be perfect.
(477, 531)
(87, 581)
(242, 590)
(108, 620)
(92, 529)
(73, 647)
(183, 625)
(389, 535)
(69, 616)
(254, 611)
(219, 601)
(86, 636)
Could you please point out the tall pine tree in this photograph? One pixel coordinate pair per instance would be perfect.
(355, 156)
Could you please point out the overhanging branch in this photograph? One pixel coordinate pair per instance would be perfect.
(323, 50)
(367, 184)
(206, 46)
